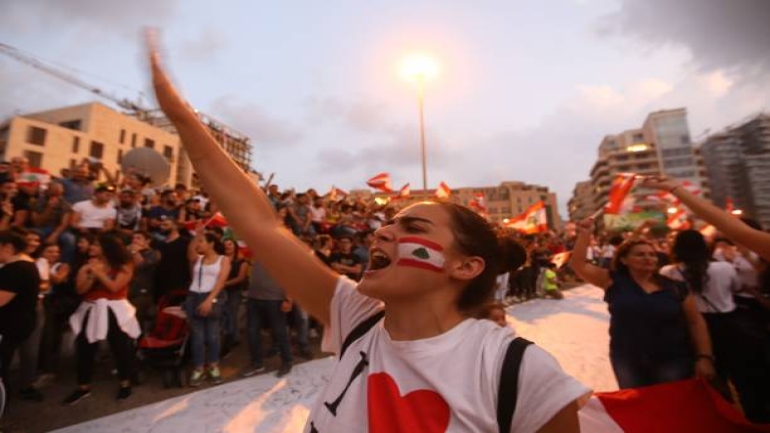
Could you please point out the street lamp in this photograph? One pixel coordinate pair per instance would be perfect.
(418, 68)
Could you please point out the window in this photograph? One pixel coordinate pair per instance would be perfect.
(35, 158)
(71, 124)
(97, 150)
(133, 140)
(36, 135)
(168, 152)
(122, 139)
(73, 163)
(149, 143)
(120, 155)
(75, 144)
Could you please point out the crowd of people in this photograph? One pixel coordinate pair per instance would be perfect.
(403, 289)
(100, 257)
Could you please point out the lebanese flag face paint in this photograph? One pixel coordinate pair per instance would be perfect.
(420, 253)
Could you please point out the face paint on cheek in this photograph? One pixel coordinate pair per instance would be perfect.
(420, 253)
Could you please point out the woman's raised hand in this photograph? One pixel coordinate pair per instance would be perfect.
(170, 101)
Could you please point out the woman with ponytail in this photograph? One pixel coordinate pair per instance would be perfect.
(411, 357)
(737, 355)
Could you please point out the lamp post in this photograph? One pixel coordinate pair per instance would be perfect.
(418, 68)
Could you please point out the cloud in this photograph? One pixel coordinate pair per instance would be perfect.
(729, 35)
(207, 45)
(359, 115)
(266, 131)
(89, 17)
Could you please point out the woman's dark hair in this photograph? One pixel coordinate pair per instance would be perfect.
(485, 311)
(622, 252)
(690, 249)
(474, 236)
(114, 251)
(211, 238)
(14, 239)
(88, 236)
(237, 251)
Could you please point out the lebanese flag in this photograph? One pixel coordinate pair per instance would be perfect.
(381, 182)
(620, 199)
(678, 220)
(533, 220)
(675, 407)
(404, 192)
(335, 193)
(420, 253)
(561, 258)
(34, 176)
(478, 203)
(217, 220)
(443, 191)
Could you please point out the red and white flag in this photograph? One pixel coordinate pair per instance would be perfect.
(34, 176)
(335, 193)
(381, 182)
(620, 199)
(443, 191)
(533, 220)
(420, 253)
(678, 220)
(684, 406)
(478, 203)
(404, 191)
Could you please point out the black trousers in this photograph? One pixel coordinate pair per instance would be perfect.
(121, 345)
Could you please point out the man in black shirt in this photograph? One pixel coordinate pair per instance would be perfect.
(173, 271)
(344, 261)
(19, 286)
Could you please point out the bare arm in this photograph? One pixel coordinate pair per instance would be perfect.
(6, 297)
(75, 221)
(595, 275)
(241, 277)
(121, 280)
(84, 280)
(699, 335)
(246, 207)
(755, 240)
(565, 421)
(61, 274)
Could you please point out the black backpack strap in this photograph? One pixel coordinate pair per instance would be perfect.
(507, 392)
(360, 330)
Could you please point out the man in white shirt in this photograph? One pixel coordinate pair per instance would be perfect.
(97, 214)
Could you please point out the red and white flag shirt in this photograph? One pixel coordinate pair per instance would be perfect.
(447, 383)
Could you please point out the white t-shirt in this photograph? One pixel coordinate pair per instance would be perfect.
(446, 383)
(93, 217)
(722, 283)
(609, 251)
(317, 214)
(746, 273)
(204, 277)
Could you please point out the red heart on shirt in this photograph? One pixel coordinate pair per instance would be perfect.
(422, 410)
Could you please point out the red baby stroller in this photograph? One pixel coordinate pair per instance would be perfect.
(165, 346)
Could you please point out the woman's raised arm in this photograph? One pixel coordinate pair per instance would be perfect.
(246, 207)
(755, 240)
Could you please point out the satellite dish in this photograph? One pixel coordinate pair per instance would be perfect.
(148, 163)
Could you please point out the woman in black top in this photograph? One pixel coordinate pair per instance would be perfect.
(236, 283)
(653, 320)
(19, 287)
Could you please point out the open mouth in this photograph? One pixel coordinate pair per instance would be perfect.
(378, 260)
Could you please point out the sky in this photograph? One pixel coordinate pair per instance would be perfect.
(525, 91)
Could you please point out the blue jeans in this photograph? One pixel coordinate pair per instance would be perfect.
(230, 316)
(204, 331)
(637, 371)
(257, 312)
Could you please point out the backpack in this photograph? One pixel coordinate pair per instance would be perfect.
(507, 391)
